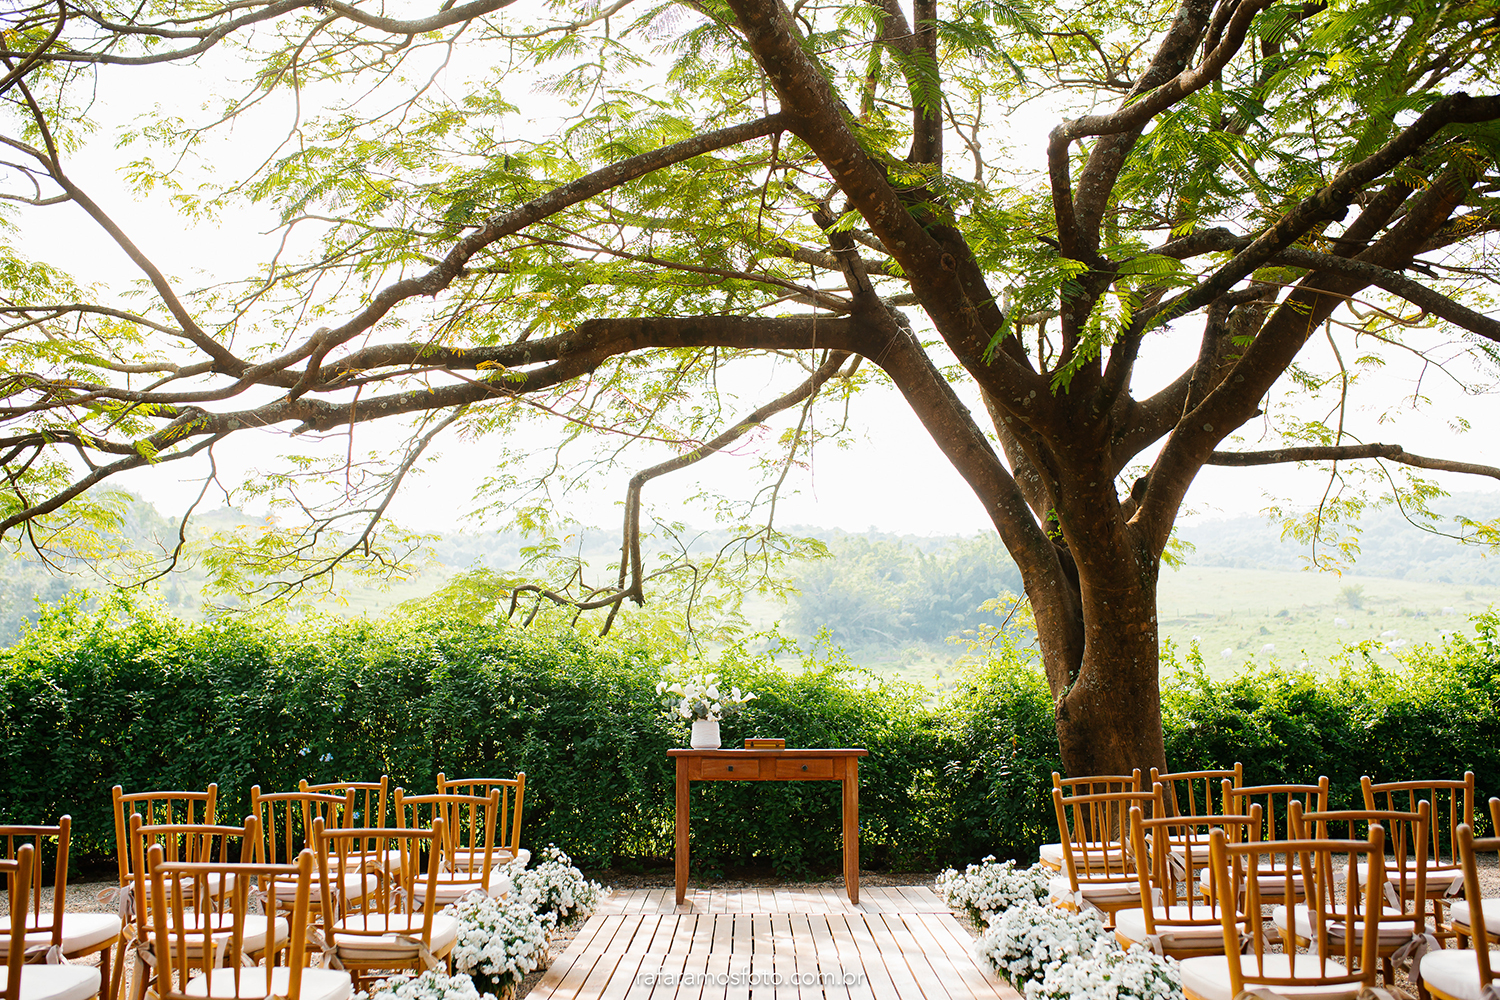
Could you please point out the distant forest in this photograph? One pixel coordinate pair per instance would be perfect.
(1390, 546)
(878, 589)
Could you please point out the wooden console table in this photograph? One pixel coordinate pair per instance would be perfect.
(772, 765)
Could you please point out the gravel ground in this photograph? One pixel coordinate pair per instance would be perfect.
(83, 896)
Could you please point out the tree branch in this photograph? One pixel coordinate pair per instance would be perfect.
(1346, 452)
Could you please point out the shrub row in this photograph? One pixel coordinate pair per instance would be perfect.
(133, 697)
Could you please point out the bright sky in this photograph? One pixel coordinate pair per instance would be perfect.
(892, 479)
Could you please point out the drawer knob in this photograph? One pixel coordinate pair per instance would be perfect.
(731, 767)
(804, 767)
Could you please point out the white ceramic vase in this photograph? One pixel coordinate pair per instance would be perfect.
(705, 734)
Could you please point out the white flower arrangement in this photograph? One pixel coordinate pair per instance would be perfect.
(555, 889)
(499, 942)
(987, 889)
(1107, 973)
(1023, 940)
(699, 697)
(428, 986)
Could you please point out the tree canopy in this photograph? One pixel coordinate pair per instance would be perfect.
(494, 212)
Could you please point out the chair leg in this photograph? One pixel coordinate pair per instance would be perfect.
(107, 987)
(114, 986)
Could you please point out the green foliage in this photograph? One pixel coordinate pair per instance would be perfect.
(130, 696)
(884, 593)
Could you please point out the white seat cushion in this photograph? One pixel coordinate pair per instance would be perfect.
(1441, 880)
(352, 885)
(55, 982)
(256, 929)
(1208, 977)
(1060, 890)
(384, 943)
(1460, 914)
(1052, 854)
(453, 886)
(80, 931)
(1392, 932)
(1272, 882)
(317, 984)
(1454, 972)
(472, 859)
(1131, 925)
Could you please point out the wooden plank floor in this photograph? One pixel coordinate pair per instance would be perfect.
(899, 943)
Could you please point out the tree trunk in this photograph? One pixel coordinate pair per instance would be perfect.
(1108, 702)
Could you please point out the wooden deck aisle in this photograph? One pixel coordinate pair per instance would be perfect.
(899, 943)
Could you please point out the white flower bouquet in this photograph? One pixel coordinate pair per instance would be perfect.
(428, 986)
(499, 942)
(989, 888)
(1107, 973)
(556, 890)
(699, 697)
(1023, 940)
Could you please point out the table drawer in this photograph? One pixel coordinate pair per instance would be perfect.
(793, 767)
(717, 768)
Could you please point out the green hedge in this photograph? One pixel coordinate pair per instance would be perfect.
(130, 696)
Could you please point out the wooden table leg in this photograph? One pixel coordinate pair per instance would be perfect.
(851, 828)
(682, 829)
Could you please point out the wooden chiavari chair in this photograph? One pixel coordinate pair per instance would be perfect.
(1051, 855)
(1469, 973)
(203, 926)
(1403, 932)
(1452, 805)
(1177, 924)
(1099, 865)
(468, 856)
(1334, 966)
(18, 979)
(1275, 803)
(53, 934)
(1463, 908)
(401, 926)
(201, 845)
(508, 849)
(286, 823)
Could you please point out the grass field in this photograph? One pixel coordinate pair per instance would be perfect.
(1235, 614)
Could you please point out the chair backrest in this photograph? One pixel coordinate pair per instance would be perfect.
(12, 840)
(286, 821)
(1196, 793)
(512, 794)
(1330, 959)
(1164, 840)
(1095, 833)
(1405, 834)
(1452, 805)
(15, 871)
(371, 800)
(469, 825)
(1468, 852)
(158, 809)
(1096, 784)
(183, 843)
(199, 912)
(405, 890)
(1275, 803)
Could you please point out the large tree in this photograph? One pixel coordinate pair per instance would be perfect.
(843, 185)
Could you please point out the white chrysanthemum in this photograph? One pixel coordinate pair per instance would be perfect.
(1025, 939)
(1109, 974)
(428, 986)
(556, 889)
(989, 888)
(503, 938)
